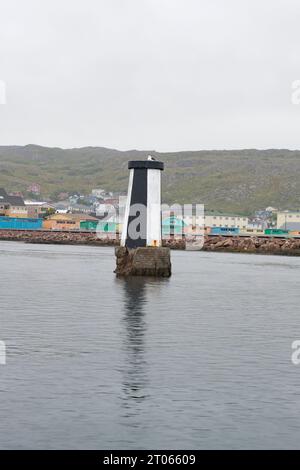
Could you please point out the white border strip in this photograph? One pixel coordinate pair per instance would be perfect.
(154, 207)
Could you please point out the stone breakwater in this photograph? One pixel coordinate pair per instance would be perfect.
(60, 238)
(275, 246)
(71, 238)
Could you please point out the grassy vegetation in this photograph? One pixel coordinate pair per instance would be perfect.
(235, 181)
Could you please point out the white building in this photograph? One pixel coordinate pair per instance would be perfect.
(288, 220)
(203, 219)
(271, 209)
(225, 220)
(99, 193)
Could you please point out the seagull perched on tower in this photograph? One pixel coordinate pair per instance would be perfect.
(151, 158)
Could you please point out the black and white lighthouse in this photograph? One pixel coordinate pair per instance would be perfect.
(142, 221)
(141, 252)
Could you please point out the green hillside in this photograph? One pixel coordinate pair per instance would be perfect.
(236, 181)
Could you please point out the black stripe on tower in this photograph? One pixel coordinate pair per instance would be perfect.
(138, 196)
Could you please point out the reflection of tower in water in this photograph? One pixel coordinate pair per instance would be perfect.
(135, 368)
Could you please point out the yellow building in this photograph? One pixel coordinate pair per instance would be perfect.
(17, 211)
(66, 221)
(12, 206)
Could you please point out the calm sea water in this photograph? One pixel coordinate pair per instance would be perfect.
(202, 360)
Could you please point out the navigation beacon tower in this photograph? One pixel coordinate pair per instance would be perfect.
(144, 201)
(141, 252)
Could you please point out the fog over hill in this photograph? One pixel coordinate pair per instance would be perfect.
(230, 180)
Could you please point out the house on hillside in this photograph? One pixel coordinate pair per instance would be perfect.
(12, 206)
(34, 188)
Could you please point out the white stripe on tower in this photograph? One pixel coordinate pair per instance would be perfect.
(153, 207)
(127, 209)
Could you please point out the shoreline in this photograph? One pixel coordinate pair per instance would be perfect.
(225, 244)
(253, 245)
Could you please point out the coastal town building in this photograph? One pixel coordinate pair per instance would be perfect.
(12, 206)
(173, 226)
(66, 221)
(98, 193)
(189, 219)
(38, 209)
(288, 220)
(186, 217)
(66, 206)
(214, 219)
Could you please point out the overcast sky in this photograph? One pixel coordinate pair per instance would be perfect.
(150, 74)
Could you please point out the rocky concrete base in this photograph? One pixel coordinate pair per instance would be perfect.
(143, 262)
